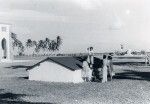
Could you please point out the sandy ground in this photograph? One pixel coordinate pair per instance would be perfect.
(131, 85)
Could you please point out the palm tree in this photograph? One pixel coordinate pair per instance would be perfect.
(14, 40)
(45, 45)
(29, 43)
(46, 42)
(34, 43)
(53, 45)
(13, 36)
(59, 42)
(40, 45)
(20, 47)
(17, 43)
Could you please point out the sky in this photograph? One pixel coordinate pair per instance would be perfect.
(103, 24)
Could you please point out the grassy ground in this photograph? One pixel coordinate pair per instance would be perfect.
(131, 85)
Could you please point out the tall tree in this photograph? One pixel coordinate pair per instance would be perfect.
(54, 45)
(34, 43)
(29, 43)
(46, 43)
(14, 40)
(59, 42)
(17, 43)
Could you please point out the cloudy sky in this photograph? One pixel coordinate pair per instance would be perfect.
(104, 24)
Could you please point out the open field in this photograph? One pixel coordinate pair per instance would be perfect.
(135, 58)
(131, 85)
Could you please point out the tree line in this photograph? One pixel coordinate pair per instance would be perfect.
(37, 46)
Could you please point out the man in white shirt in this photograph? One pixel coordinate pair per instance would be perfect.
(90, 56)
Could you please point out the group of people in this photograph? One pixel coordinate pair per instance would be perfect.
(107, 68)
(103, 72)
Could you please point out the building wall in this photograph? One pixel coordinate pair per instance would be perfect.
(5, 33)
(49, 71)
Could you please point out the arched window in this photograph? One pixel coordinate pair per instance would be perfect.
(4, 47)
(3, 43)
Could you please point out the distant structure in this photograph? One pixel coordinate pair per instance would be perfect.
(5, 42)
(57, 69)
(122, 47)
(129, 52)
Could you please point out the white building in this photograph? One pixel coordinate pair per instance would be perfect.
(129, 52)
(57, 69)
(5, 42)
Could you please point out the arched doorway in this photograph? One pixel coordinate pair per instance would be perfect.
(4, 48)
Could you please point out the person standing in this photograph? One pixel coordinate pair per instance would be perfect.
(110, 67)
(86, 71)
(90, 56)
(83, 72)
(147, 59)
(104, 69)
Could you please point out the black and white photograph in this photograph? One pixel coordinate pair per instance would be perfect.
(74, 51)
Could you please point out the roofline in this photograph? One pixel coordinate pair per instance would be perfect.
(48, 58)
(62, 64)
(37, 64)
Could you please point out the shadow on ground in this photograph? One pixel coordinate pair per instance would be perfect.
(133, 75)
(18, 66)
(11, 98)
(129, 63)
